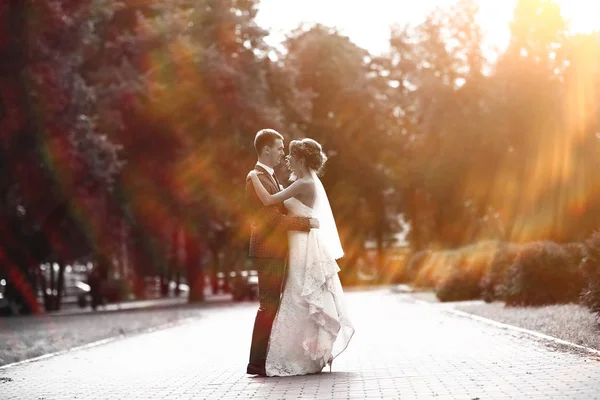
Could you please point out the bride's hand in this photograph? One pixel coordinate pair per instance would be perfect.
(251, 174)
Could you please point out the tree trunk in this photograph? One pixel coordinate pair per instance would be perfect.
(43, 282)
(60, 285)
(416, 237)
(164, 284)
(177, 283)
(379, 235)
(216, 268)
(194, 270)
(50, 303)
(196, 284)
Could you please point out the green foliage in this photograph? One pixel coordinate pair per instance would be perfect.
(141, 115)
(445, 100)
(465, 270)
(492, 283)
(591, 268)
(416, 263)
(458, 287)
(542, 274)
(352, 117)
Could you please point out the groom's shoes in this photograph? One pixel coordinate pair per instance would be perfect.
(256, 370)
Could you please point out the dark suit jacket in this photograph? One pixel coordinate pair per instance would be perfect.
(269, 225)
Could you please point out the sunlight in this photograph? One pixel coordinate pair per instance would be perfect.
(367, 23)
(581, 14)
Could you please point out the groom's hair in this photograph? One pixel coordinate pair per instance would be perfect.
(265, 137)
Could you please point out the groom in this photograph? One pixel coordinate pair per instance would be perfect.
(268, 243)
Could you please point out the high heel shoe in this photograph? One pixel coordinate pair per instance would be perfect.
(330, 363)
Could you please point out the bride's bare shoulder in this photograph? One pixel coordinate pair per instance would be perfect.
(308, 185)
(308, 181)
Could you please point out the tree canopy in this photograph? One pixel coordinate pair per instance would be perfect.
(135, 120)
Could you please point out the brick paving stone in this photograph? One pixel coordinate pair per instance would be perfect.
(401, 350)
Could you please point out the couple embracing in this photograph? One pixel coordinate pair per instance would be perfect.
(301, 324)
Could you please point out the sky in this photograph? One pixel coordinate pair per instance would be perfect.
(367, 22)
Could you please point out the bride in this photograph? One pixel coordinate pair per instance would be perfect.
(312, 326)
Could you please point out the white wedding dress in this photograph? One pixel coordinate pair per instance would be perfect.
(312, 323)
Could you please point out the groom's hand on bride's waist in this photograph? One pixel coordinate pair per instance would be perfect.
(314, 223)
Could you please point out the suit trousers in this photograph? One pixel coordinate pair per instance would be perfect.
(271, 274)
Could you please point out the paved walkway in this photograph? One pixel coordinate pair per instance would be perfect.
(401, 350)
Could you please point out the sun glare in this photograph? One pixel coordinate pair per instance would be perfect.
(367, 22)
(581, 14)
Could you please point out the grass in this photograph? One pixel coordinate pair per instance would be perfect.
(570, 322)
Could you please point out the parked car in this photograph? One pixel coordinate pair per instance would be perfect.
(11, 302)
(220, 282)
(97, 292)
(244, 285)
(152, 287)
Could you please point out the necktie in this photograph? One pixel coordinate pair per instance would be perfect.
(276, 181)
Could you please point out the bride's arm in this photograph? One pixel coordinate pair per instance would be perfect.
(269, 199)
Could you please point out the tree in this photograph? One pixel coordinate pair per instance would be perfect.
(528, 78)
(188, 134)
(352, 118)
(443, 111)
(60, 164)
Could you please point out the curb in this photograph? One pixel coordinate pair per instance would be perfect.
(536, 334)
(504, 326)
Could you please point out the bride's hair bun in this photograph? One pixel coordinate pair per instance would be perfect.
(311, 151)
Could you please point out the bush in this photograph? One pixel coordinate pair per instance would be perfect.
(591, 272)
(435, 268)
(492, 283)
(462, 278)
(542, 274)
(576, 252)
(458, 286)
(416, 263)
(395, 269)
